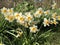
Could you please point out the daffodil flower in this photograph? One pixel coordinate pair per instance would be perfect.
(38, 13)
(54, 6)
(46, 22)
(16, 15)
(33, 29)
(55, 22)
(47, 12)
(10, 11)
(54, 15)
(4, 10)
(29, 18)
(19, 34)
(21, 19)
(10, 18)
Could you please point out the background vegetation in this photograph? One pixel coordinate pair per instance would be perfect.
(13, 3)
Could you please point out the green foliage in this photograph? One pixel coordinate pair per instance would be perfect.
(23, 7)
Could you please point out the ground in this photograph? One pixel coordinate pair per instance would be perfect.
(55, 39)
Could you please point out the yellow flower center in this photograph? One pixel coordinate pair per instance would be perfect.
(33, 29)
(40, 12)
(5, 11)
(10, 17)
(17, 15)
(29, 18)
(22, 19)
(47, 12)
(10, 10)
(47, 22)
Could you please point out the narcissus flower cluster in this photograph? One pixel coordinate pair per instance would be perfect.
(29, 19)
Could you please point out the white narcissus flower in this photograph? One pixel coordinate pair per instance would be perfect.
(33, 29)
(54, 15)
(19, 34)
(58, 17)
(16, 15)
(4, 10)
(51, 21)
(38, 13)
(46, 22)
(54, 6)
(10, 11)
(10, 18)
(21, 19)
(29, 17)
(47, 12)
(55, 22)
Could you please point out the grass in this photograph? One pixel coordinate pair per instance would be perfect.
(55, 39)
